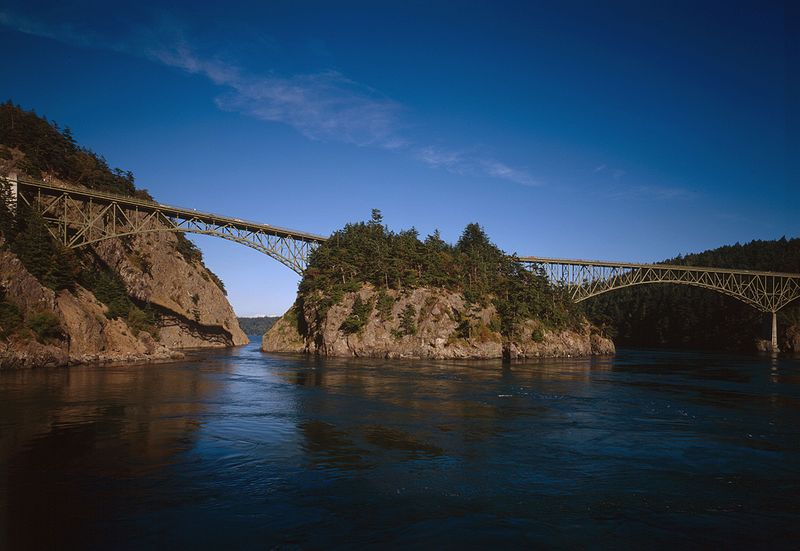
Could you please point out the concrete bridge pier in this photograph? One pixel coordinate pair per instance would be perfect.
(775, 331)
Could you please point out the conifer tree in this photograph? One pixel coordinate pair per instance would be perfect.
(34, 246)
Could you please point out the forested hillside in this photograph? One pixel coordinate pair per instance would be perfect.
(257, 325)
(45, 149)
(683, 316)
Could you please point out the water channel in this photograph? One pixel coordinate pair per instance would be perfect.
(240, 449)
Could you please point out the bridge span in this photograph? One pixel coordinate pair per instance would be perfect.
(584, 279)
(77, 217)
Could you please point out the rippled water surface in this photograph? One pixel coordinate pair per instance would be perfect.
(240, 449)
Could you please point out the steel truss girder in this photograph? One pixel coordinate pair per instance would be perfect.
(77, 218)
(766, 291)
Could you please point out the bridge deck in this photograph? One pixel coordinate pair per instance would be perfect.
(250, 227)
(633, 265)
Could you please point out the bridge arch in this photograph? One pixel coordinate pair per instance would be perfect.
(747, 300)
(287, 261)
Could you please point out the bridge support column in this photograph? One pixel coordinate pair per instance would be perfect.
(775, 332)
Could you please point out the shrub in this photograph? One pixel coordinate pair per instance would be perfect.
(384, 305)
(10, 318)
(188, 250)
(110, 290)
(45, 326)
(359, 315)
(139, 320)
(217, 281)
(408, 320)
(483, 333)
(462, 330)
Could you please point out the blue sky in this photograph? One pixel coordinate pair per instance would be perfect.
(611, 130)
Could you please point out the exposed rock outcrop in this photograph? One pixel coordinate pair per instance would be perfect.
(445, 326)
(86, 334)
(793, 339)
(194, 309)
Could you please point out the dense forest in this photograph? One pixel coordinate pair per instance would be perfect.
(682, 316)
(40, 149)
(368, 252)
(46, 149)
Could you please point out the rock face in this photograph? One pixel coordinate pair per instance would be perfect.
(793, 339)
(446, 327)
(87, 334)
(193, 309)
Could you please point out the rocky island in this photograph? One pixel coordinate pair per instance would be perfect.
(133, 298)
(371, 292)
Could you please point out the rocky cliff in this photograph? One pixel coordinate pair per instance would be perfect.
(134, 298)
(79, 329)
(443, 325)
(191, 309)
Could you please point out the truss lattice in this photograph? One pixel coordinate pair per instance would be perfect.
(767, 291)
(78, 217)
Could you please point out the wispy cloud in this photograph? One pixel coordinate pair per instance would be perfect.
(611, 186)
(323, 106)
(662, 192)
(648, 192)
(472, 164)
(615, 173)
(62, 32)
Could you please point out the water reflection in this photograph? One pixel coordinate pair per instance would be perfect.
(74, 442)
(243, 449)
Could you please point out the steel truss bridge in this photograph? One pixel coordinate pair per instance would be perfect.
(583, 279)
(77, 217)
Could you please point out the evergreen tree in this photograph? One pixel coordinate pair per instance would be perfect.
(34, 246)
(7, 216)
(371, 253)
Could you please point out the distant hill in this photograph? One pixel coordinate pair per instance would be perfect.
(257, 326)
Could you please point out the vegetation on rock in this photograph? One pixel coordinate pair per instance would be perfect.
(45, 326)
(370, 253)
(10, 316)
